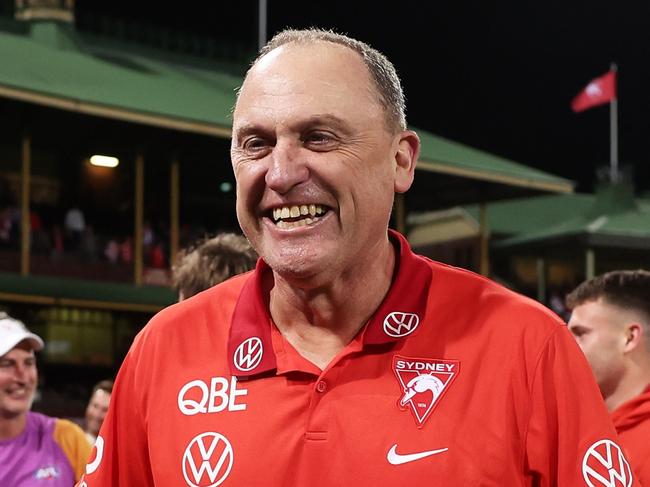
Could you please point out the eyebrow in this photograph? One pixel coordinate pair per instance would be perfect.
(300, 125)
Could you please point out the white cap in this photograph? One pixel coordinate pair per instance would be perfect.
(12, 332)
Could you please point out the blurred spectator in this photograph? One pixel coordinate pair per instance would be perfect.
(40, 241)
(126, 250)
(97, 408)
(57, 242)
(34, 448)
(556, 303)
(148, 235)
(611, 322)
(74, 225)
(89, 243)
(112, 251)
(211, 261)
(5, 227)
(157, 256)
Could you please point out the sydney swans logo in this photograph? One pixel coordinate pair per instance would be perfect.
(423, 382)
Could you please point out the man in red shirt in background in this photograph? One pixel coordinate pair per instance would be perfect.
(344, 359)
(611, 322)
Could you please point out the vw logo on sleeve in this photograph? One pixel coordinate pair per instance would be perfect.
(207, 460)
(604, 465)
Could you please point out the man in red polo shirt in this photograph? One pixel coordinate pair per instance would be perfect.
(610, 320)
(344, 359)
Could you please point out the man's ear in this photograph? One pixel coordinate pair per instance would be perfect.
(406, 157)
(634, 335)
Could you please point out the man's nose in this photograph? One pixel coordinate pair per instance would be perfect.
(288, 167)
(21, 372)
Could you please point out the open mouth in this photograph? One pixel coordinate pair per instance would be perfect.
(297, 215)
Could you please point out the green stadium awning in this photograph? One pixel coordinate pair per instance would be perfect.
(613, 219)
(51, 64)
(84, 293)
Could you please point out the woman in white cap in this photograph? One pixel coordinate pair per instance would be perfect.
(35, 449)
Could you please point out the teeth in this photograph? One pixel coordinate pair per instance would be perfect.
(297, 211)
(298, 223)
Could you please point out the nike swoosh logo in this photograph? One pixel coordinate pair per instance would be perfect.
(395, 458)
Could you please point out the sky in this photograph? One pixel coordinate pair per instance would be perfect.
(495, 75)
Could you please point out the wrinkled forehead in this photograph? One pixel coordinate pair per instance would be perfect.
(319, 76)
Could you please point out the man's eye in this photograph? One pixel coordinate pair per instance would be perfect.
(319, 140)
(255, 143)
(578, 332)
(317, 137)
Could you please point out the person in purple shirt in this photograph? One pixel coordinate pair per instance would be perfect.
(35, 450)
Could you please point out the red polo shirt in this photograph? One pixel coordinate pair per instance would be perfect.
(453, 381)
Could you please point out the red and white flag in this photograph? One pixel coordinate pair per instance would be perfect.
(599, 91)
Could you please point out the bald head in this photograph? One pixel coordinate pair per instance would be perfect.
(384, 83)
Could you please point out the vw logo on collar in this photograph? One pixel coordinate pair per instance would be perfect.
(398, 324)
(248, 354)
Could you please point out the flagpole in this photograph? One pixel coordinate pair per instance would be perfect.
(613, 131)
(261, 23)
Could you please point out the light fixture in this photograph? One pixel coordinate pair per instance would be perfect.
(104, 161)
(225, 187)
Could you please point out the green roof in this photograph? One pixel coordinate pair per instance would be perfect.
(612, 218)
(49, 63)
(444, 156)
(524, 215)
(78, 292)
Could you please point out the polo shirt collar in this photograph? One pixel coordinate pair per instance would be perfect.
(250, 347)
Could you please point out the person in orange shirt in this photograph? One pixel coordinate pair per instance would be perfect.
(345, 359)
(610, 320)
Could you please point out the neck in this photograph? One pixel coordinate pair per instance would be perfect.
(320, 318)
(632, 384)
(11, 427)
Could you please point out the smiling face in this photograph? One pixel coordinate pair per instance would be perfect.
(96, 411)
(18, 380)
(314, 161)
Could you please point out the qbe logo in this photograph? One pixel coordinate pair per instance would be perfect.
(207, 460)
(399, 324)
(604, 465)
(249, 354)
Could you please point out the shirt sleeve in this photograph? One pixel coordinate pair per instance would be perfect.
(120, 455)
(74, 444)
(570, 438)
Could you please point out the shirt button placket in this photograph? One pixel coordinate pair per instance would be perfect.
(321, 386)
